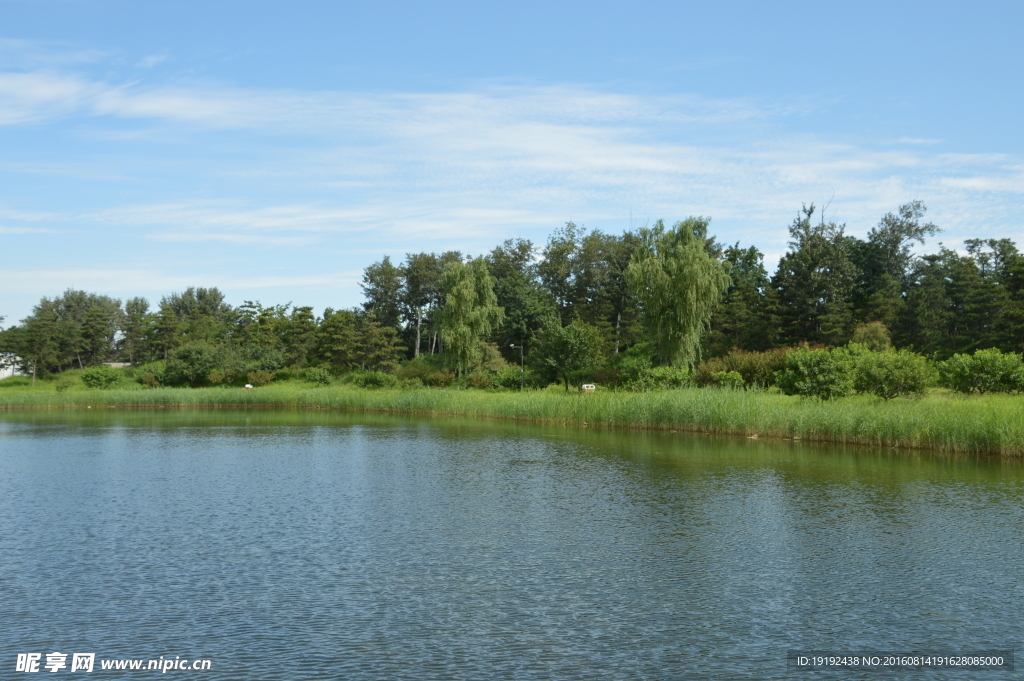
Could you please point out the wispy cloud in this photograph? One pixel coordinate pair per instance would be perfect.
(26, 230)
(152, 60)
(258, 171)
(51, 281)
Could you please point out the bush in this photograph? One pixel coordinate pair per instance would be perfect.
(151, 374)
(191, 363)
(419, 368)
(660, 378)
(892, 374)
(100, 377)
(509, 377)
(259, 378)
(261, 357)
(821, 373)
(984, 371)
(758, 369)
(439, 379)
(479, 379)
(62, 384)
(727, 379)
(318, 376)
(373, 379)
(874, 335)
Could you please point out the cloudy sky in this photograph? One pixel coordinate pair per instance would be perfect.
(274, 149)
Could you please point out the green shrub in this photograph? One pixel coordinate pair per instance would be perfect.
(727, 379)
(509, 377)
(984, 371)
(420, 368)
(410, 383)
(873, 335)
(229, 365)
(318, 376)
(100, 377)
(821, 373)
(439, 379)
(758, 369)
(892, 374)
(259, 378)
(262, 357)
(151, 374)
(63, 384)
(373, 379)
(660, 378)
(479, 379)
(191, 363)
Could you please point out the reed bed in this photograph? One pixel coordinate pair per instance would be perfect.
(949, 423)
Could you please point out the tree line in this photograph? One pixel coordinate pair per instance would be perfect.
(583, 303)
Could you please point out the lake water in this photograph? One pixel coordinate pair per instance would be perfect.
(315, 545)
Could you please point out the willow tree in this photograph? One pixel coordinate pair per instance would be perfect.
(470, 311)
(677, 283)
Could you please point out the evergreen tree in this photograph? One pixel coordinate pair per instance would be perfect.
(300, 336)
(378, 346)
(338, 341)
(815, 282)
(134, 327)
(382, 286)
(885, 263)
(742, 319)
(519, 293)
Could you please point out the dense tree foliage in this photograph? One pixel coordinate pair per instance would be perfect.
(678, 284)
(636, 301)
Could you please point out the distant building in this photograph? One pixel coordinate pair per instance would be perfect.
(9, 365)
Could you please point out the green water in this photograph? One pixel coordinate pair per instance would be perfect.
(318, 545)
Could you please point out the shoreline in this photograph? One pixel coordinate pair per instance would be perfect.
(992, 425)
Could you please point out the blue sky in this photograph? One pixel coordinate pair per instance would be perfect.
(275, 149)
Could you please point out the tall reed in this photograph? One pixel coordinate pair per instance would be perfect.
(992, 424)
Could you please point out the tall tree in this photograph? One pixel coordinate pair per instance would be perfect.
(518, 292)
(570, 354)
(678, 284)
(300, 336)
(421, 277)
(338, 342)
(743, 319)
(378, 346)
(556, 269)
(815, 282)
(134, 327)
(382, 286)
(885, 262)
(470, 313)
(202, 314)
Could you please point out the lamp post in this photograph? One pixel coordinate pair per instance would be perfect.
(522, 367)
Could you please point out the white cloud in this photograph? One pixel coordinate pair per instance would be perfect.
(41, 282)
(403, 171)
(152, 60)
(26, 230)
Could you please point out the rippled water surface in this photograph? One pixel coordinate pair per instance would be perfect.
(322, 546)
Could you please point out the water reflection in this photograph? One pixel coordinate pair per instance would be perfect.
(312, 544)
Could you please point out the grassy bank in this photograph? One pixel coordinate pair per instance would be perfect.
(949, 423)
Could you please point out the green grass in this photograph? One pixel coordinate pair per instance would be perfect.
(992, 424)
